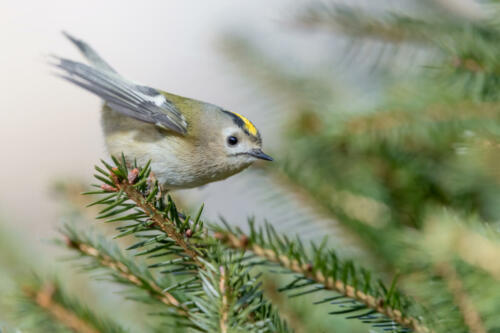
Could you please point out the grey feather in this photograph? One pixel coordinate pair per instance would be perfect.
(90, 54)
(139, 102)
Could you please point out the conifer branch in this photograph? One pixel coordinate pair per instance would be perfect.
(242, 242)
(384, 123)
(295, 317)
(357, 23)
(208, 297)
(359, 221)
(225, 305)
(477, 246)
(393, 27)
(52, 308)
(44, 299)
(159, 219)
(125, 272)
(469, 313)
(231, 300)
(177, 234)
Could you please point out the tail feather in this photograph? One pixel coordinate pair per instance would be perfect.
(132, 100)
(90, 54)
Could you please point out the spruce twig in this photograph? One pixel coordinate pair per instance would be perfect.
(158, 219)
(306, 269)
(124, 272)
(469, 313)
(209, 298)
(44, 299)
(225, 305)
(198, 253)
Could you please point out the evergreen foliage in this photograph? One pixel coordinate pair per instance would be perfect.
(413, 176)
(201, 277)
(48, 306)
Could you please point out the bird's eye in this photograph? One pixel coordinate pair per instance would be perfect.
(232, 140)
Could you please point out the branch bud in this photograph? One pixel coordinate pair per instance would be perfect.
(109, 188)
(132, 175)
(244, 240)
(220, 236)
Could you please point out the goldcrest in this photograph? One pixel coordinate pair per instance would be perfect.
(190, 143)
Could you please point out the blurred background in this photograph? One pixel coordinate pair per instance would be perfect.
(50, 131)
(383, 119)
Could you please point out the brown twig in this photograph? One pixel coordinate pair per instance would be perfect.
(158, 218)
(225, 305)
(294, 317)
(328, 282)
(472, 247)
(125, 273)
(44, 299)
(471, 317)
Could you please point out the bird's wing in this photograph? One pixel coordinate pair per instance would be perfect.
(132, 100)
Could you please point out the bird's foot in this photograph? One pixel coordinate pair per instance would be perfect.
(152, 181)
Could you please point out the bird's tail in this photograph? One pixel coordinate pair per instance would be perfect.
(90, 54)
(123, 96)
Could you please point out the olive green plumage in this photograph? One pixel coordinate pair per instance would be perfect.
(189, 142)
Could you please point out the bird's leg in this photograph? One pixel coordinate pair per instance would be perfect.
(162, 193)
(152, 180)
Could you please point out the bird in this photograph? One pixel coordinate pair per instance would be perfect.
(189, 143)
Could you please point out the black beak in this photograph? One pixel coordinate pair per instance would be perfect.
(260, 154)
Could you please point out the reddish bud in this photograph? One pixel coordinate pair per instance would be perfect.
(113, 174)
(132, 175)
(189, 233)
(244, 240)
(220, 236)
(109, 188)
(69, 242)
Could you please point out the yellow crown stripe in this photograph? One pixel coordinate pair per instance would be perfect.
(248, 124)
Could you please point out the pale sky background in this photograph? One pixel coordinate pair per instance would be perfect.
(50, 130)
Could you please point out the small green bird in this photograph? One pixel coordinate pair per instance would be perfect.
(190, 143)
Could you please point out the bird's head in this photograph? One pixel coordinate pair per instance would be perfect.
(242, 140)
(233, 140)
